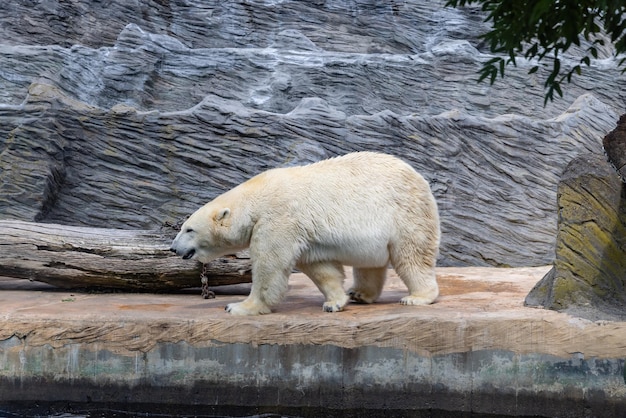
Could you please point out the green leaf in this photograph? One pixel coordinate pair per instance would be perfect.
(538, 29)
(540, 9)
(532, 51)
(489, 71)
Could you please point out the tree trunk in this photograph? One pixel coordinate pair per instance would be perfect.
(134, 260)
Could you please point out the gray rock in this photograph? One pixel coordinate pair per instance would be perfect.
(132, 114)
(614, 144)
(589, 273)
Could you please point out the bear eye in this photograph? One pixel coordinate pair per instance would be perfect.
(189, 230)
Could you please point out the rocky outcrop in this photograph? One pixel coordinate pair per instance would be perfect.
(615, 147)
(589, 273)
(129, 115)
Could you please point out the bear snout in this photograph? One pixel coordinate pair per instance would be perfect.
(189, 254)
(185, 254)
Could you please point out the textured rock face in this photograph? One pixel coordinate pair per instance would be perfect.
(615, 147)
(589, 273)
(130, 114)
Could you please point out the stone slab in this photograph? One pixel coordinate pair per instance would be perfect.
(477, 349)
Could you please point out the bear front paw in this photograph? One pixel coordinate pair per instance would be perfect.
(246, 309)
(416, 300)
(335, 305)
(331, 307)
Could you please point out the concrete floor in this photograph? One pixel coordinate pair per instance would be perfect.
(477, 349)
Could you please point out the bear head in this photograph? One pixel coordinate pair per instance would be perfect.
(205, 235)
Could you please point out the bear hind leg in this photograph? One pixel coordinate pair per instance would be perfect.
(328, 277)
(421, 282)
(368, 284)
(417, 271)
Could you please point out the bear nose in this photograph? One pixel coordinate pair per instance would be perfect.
(173, 250)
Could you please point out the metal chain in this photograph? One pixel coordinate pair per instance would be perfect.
(206, 293)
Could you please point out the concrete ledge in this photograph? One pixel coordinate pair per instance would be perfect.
(477, 349)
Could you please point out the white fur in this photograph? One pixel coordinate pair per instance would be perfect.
(363, 209)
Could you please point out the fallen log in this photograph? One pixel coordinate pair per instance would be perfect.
(135, 260)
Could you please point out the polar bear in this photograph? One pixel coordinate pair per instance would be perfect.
(364, 209)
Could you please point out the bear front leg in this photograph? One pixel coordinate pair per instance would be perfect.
(269, 285)
(328, 277)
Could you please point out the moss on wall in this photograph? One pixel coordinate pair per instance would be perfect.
(589, 273)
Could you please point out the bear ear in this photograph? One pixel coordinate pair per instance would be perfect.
(222, 214)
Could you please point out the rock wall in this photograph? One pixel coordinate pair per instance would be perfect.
(132, 114)
(589, 273)
(614, 144)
